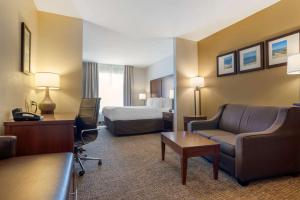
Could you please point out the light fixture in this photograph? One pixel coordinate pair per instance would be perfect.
(47, 80)
(198, 83)
(142, 96)
(293, 64)
(293, 67)
(171, 94)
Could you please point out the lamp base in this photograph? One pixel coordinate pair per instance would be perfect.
(47, 106)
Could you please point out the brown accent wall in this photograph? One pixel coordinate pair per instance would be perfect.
(267, 87)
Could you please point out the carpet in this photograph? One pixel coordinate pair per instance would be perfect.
(132, 170)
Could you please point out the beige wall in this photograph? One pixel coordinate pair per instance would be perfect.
(186, 68)
(15, 86)
(56, 47)
(267, 87)
(60, 51)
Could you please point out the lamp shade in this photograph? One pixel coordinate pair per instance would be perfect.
(198, 82)
(171, 94)
(293, 64)
(47, 80)
(142, 96)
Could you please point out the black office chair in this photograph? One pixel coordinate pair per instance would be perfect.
(86, 129)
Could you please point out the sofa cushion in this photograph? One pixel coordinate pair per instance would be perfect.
(227, 143)
(258, 118)
(231, 118)
(213, 132)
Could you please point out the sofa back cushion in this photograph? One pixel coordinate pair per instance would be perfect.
(257, 118)
(231, 118)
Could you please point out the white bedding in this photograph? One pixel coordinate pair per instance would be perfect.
(133, 112)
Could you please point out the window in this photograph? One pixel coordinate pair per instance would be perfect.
(111, 85)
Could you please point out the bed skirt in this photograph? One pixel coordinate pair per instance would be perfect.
(133, 127)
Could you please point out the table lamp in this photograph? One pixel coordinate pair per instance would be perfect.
(142, 97)
(172, 96)
(47, 81)
(198, 83)
(293, 67)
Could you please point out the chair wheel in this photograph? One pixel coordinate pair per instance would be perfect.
(81, 173)
(100, 162)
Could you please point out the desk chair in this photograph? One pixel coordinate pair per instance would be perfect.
(86, 129)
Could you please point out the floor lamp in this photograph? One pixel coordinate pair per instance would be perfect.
(293, 68)
(198, 83)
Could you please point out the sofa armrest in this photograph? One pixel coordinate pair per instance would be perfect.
(7, 146)
(206, 124)
(270, 152)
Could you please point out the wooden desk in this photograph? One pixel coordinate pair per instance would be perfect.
(53, 134)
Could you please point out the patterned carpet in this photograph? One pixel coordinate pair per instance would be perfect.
(132, 170)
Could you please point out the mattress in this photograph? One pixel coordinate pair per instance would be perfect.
(132, 112)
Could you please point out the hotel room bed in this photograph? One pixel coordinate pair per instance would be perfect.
(133, 120)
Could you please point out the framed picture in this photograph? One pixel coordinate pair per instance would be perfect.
(251, 58)
(25, 49)
(226, 64)
(279, 48)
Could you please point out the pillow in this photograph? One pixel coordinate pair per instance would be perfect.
(149, 102)
(156, 103)
(166, 103)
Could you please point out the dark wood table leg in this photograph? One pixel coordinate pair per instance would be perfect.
(183, 161)
(216, 162)
(163, 149)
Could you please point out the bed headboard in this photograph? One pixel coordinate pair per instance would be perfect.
(160, 87)
(156, 87)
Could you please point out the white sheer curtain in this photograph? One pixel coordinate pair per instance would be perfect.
(111, 81)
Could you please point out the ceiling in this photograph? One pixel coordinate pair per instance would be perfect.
(106, 46)
(148, 22)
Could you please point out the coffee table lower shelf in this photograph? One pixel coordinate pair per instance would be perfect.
(189, 145)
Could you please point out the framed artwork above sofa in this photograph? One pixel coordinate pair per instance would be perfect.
(226, 64)
(251, 58)
(279, 48)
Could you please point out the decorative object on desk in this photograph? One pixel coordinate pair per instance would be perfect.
(143, 97)
(47, 80)
(25, 49)
(251, 58)
(279, 48)
(226, 64)
(33, 104)
(198, 83)
(172, 96)
(293, 68)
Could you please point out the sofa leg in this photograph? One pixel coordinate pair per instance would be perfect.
(243, 183)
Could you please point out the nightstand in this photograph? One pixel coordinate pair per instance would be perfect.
(168, 118)
(187, 119)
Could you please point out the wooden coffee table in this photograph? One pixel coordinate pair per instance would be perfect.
(190, 145)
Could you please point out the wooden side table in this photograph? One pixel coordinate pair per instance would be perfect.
(168, 118)
(187, 119)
